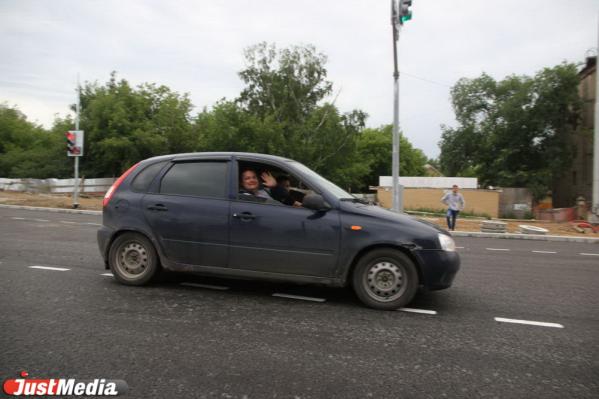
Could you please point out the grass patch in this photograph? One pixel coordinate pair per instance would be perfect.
(442, 213)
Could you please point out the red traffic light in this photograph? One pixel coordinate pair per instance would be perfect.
(70, 138)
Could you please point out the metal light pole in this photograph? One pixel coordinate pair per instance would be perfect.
(397, 189)
(594, 217)
(76, 187)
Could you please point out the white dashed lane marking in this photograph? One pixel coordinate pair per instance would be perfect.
(422, 311)
(544, 252)
(57, 269)
(302, 298)
(459, 247)
(211, 287)
(107, 274)
(529, 322)
(61, 221)
(588, 254)
(497, 249)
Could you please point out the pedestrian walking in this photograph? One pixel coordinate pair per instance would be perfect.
(455, 203)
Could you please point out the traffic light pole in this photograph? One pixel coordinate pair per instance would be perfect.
(397, 188)
(76, 186)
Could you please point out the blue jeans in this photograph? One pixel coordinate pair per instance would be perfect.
(451, 217)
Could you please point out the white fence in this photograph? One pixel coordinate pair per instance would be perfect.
(56, 185)
(429, 182)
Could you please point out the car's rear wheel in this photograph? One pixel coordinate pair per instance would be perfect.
(133, 259)
(385, 279)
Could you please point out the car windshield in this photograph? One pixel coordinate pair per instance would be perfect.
(332, 188)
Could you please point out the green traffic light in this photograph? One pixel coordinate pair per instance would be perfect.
(406, 17)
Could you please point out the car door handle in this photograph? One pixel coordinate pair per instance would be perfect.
(158, 207)
(245, 216)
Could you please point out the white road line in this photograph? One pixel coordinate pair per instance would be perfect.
(587, 254)
(544, 252)
(303, 298)
(58, 269)
(107, 274)
(459, 247)
(497, 249)
(65, 222)
(212, 287)
(14, 218)
(94, 224)
(532, 323)
(41, 220)
(423, 311)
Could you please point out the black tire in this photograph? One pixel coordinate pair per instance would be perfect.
(133, 259)
(385, 279)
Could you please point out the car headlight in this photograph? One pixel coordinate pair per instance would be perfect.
(447, 243)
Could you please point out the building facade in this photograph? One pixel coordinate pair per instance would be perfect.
(577, 181)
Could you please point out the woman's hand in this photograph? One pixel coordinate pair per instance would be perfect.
(269, 180)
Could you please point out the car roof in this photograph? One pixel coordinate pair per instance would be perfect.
(217, 155)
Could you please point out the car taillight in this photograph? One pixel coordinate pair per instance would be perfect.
(116, 184)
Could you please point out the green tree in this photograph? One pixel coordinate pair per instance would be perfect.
(124, 125)
(28, 150)
(514, 132)
(282, 111)
(286, 84)
(375, 149)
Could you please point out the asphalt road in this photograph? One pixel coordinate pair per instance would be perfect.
(215, 338)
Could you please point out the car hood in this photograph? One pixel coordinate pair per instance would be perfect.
(390, 216)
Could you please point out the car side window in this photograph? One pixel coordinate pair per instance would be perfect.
(278, 187)
(202, 179)
(142, 181)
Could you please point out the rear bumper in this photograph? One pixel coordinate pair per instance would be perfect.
(438, 267)
(104, 236)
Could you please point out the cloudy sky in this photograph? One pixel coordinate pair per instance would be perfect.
(197, 46)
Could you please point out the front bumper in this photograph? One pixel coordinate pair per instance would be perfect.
(438, 267)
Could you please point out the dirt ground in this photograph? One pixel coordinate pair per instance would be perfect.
(86, 201)
(94, 202)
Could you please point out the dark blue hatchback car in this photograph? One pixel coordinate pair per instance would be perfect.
(189, 213)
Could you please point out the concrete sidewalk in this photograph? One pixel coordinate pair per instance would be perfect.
(514, 236)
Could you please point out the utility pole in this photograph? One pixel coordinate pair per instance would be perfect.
(400, 13)
(74, 139)
(76, 188)
(594, 217)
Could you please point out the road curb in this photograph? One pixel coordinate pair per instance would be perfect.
(57, 210)
(535, 237)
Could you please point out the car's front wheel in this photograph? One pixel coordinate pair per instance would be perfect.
(133, 259)
(385, 279)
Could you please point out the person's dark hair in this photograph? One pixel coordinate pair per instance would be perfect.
(282, 178)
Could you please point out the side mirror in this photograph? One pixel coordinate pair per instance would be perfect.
(315, 202)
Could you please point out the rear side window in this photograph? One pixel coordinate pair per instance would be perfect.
(202, 179)
(144, 178)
